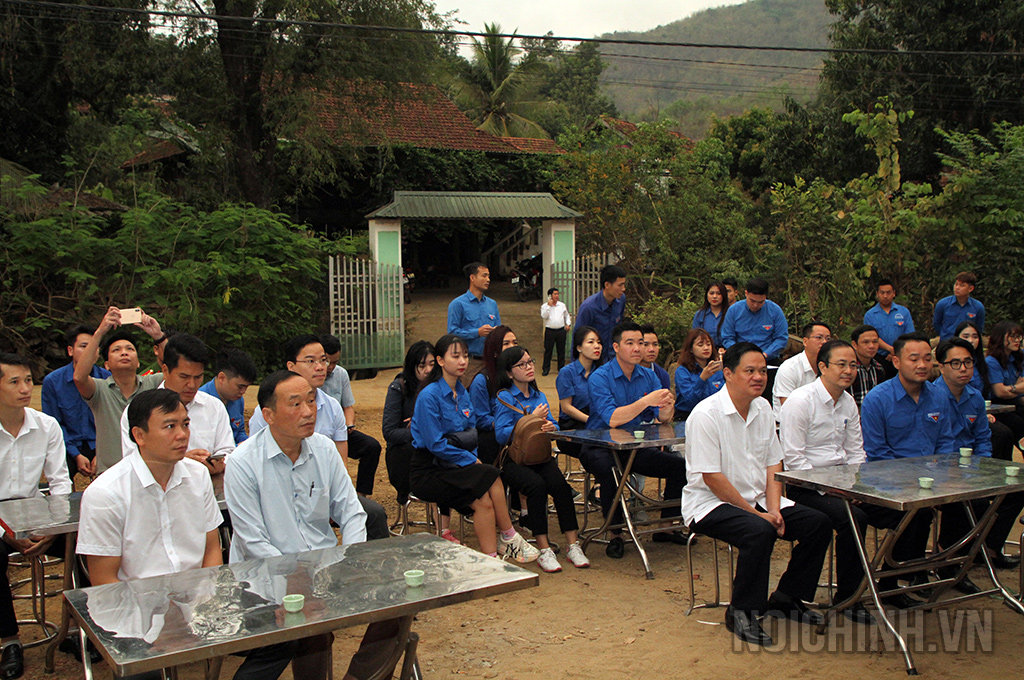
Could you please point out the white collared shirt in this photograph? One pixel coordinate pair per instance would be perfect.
(718, 439)
(38, 449)
(795, 372)
(125, 513)
(279, 508)
(817, 431)
(209, 426)
(555, 317)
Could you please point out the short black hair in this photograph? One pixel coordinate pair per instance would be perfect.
(552, 290)
(142, 407)
(234, 363)
(732, 356)
(909, 337)
(71, 334)
(943, 349)
(970, 278)
(116, 336)
(624, 326)
(646, 328)
(331, 344)
(861, 330)
(757, 286)
(610, 273)
(825, 353)
(473, 268)
(295, 345)
(188, 346)
(266, 395)
(808, 328)
(730, 281)
(884, 282)
(9, 359)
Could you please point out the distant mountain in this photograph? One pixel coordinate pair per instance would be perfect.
(690, 84)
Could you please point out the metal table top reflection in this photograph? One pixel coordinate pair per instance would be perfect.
(894, 483)
(619, 439)
(1000, 408)
(42, 516)
(166, 621)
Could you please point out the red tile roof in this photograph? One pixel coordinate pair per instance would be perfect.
(531, 145)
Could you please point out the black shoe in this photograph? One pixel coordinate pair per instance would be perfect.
(616, 548)
(967, 587)
(70, 645)
(677, 537)
(746, 627)
(1003, 561)
(781, 605)
(900, 601)
(544, 372)
(12, 663)
(858, 614)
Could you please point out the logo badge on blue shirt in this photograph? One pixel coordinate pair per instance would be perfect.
(934, 416)
(971, 315)
(767, 328)
(971, 418)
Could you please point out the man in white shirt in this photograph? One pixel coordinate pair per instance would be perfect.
(31, 444)
(265, 488)
(801, 369)
(184, 362)
(155, 512)
(820, 427)
(556, 324)
(732, 455)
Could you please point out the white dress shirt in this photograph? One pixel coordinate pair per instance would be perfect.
(817, 431)
(794, 372)
(555, 317)
(37, 449)
(209, 426)
(718, 439)
(330, 418)
(155, 531)
(279, 508)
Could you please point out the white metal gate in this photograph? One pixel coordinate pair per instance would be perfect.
(367, 312)
(576, 281)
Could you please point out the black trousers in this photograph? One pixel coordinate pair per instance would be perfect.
(849, 571)
(8, 619)
(537, 482)
(651, 462)
(366, 450)
(397, 459)
(955, 523)
(1002, 441)
(755, 538)
(553, 338)
(1013, 421)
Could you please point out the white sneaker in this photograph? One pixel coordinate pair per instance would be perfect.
(517, 549)
(548, 562)
(575, 554)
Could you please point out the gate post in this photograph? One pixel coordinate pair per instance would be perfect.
(558, 244)
(386, 241)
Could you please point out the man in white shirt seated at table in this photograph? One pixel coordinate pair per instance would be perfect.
(732, 455)
(800, 369)
(31, 444)
(820, 427)
(155, 513)
(283, 487)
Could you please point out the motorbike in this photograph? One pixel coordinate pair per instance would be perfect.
(526, 278)
(408, 283)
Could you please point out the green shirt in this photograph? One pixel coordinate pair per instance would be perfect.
(107, 405)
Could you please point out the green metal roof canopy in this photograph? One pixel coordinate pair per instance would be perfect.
(473, 205)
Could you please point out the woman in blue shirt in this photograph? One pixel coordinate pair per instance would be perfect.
(572, 386)
(698, 377)
(445, 469)
(1005, 368)
(968, 331)
(483, 388)
(712, 312)
(517, 389)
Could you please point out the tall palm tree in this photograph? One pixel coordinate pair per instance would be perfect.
(498, 90)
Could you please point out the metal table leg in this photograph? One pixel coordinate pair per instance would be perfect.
(65, 616)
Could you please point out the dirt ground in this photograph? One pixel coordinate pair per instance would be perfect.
(610, 622)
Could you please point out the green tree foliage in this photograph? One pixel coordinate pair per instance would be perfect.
(573, 85)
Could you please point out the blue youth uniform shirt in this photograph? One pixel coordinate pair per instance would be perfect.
(466, 315)
(62, 401)
(949, 314)
(895, 426)
(596, 312)
(610, 389)
(483, 403)
(437, 413)
(505, 419)
(236, 412)
(968, 419)
(571, 382)
(691, 390)
(767, 327)
(997, 374)
(889, 326)
(705, 318)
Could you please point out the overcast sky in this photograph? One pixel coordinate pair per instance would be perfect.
(574, 18)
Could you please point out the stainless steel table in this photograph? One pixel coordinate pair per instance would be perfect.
(51, 515)
(1000, 408)
(166, 621)
(616, 439)
(894, 484)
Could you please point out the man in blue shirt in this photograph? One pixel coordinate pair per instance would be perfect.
(958, 307)
(236, 371)
(62, 401)
(603, 310)
(966, 408)
(757, 320)
(624, 395)
(890, 320)
(472, 316)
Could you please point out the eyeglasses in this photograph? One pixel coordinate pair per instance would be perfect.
(525, 364)
(957, 364)
(1016, 336)
(314, 362)
(841, 365)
